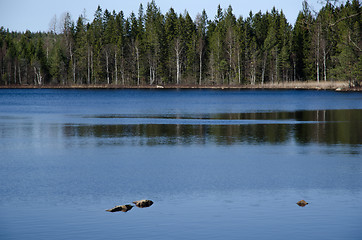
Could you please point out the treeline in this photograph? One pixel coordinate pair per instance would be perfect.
(171, 48)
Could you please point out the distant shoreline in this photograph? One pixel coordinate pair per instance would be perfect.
(334, 86)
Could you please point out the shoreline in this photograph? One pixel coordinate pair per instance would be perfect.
(333, 86)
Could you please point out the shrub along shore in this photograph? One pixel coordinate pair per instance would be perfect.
(335, 86)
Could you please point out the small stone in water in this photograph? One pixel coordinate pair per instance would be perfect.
(302, 203)
(123, 208)
(143, 203)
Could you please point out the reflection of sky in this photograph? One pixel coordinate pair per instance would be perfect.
(301, 127)
(163, 102)
(63, 164)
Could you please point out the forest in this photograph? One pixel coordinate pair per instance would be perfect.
(152, 48)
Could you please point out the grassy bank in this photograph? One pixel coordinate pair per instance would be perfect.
(336, 86)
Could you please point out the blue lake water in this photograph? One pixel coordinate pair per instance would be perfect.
(217, 164)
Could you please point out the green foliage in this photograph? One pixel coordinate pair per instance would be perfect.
(152, 48)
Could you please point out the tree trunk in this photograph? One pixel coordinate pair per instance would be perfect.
(74, 81)
(122, 66)
(263, 70)
(212, 66)
(324, 65)
(218, 57)
(72, 60)
(151, 80)
(35, 76)
(178, 50)
(317, 71)
(107, 58)
(177, 68)
(294, 71)
(276, 64)
(138, 67)
(230, 61)
(317, 60)
(88, 67)
(19, 71)
(115, 66)
(239, 68)
(92, 66)
(38, 77)
(200, 77)
(254, 70)
(26, 72)
(15, 72)
(152, 75)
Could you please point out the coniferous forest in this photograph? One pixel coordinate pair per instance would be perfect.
(152, 48)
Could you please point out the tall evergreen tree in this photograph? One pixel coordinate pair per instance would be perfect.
(152, 48)
(302, 45)
(80, 39)
(201, 27)
(153, 39)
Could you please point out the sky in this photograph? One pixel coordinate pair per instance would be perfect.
(36, 15)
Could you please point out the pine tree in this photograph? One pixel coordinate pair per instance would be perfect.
(285, 32)
(153, 39)
(109, 45)
(81, 49)
(251, 50)
(230, 43)
(240, 48)
(120, 51)
(201, 27)
(218, 64)
(260, 25)
(173, 49)
(68, 44)
(96, 42)
(189, 38)
(171, 34)
(302, 45)
(39, 63)
(349, 46)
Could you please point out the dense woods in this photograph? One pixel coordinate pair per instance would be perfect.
(155, 48)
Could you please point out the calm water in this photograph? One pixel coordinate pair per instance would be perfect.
(217, 164)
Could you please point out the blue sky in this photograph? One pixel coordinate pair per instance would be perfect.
(36, 15)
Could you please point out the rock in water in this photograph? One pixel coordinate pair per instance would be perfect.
(143, 203)
(302, 203)
(123, 208)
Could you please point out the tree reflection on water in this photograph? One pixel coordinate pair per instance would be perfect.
(303, 127)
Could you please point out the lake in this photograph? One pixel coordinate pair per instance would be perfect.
(218, 164)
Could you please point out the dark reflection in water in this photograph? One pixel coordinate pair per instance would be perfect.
(154, 134)
(326, 126)
(66, 156)
(315, 115)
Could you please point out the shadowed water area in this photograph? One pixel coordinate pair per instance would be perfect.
(317, 126)
(216, 164)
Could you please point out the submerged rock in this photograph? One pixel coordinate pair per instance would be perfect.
(302, 203)
(123, 208)
(143, 203)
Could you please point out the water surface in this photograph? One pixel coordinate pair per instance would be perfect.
(217, 164)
